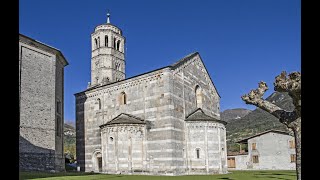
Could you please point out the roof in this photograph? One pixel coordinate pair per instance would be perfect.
(173, 66)
(236, 153)
(43, 46)
(124, 118)
(199, 115)
(265, 132)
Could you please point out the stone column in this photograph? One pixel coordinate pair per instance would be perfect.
(206, 145)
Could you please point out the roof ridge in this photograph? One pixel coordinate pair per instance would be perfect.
(134, 118)
(264, 132)
(199, 109)
(185, 58)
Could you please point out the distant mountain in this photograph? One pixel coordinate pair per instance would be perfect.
(69, 138)
(70, 122)
(69, 130)
(258, 120)
(231, 114)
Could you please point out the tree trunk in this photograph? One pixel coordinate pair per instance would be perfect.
(296, 127)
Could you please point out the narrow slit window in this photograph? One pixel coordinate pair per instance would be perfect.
(123, 98)
(99, 103)
(199, 97)
(198, 153)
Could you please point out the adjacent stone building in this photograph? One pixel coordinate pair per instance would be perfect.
(41, 71)
(166, 121)
(270, 150)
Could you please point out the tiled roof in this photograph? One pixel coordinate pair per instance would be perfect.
(265, 132)
(199, 115)
(124, 118)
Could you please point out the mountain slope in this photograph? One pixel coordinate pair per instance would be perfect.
(258, 120)
(69, 139)
(231, 114)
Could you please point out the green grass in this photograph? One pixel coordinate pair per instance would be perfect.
(233, 175)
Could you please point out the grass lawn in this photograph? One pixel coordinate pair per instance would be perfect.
(233, 175)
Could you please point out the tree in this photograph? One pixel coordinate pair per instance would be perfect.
(283, 83)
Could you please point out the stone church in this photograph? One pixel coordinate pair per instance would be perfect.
(166, 121)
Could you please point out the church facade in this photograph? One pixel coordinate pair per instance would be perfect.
(166, 121)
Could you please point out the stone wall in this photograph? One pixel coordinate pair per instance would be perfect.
(185, 79)
(209, 139)
(273, 151)
(123, 148)
(241, 162)
(37, 117)
(59, 96)
(40, 83)
(147, 98)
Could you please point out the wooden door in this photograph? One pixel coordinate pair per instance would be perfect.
(231, 162)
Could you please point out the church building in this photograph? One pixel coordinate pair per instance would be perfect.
(165, 122)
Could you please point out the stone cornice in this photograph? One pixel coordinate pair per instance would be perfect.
(121, 85)
(34, 43)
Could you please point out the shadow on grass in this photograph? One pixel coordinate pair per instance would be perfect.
(278, 174)
(272, 175)
(226, 178)
(33, 175)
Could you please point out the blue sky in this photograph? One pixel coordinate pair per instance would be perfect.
(240, 42)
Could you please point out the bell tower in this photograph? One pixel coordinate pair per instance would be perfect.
(107, 56)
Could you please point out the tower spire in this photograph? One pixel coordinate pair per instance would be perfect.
(108, 17)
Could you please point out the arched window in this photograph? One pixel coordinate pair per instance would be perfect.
(123, 98)
(118, 45)
(95, 43)
(106, 41)
(99, 103)
(198, 153)
(114, 43)
(199, 97)
(98, 42)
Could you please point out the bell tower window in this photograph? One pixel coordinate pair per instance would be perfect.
(118, 45)
(95, 43)
(106, 41)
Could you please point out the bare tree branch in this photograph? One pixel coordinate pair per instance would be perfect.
(292, 85)
(255, 97)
